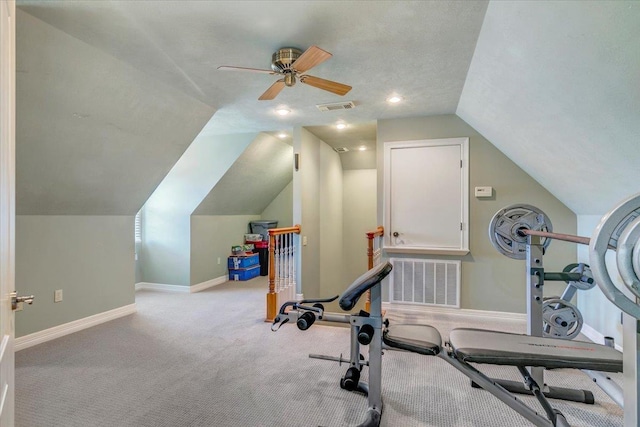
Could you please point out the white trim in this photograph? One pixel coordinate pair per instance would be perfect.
(412, 310)
(595, 336)
(184, 289)
(209, 284)
(3, 348)
(68, 328)
(463, 247)
(161, 287)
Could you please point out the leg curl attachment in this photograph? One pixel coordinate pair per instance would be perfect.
(304, 315)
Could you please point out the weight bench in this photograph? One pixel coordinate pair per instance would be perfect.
(465, 346)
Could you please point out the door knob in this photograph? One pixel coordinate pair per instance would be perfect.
(15, 299)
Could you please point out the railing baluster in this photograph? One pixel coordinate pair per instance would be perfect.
(374, 254)
(282, 282)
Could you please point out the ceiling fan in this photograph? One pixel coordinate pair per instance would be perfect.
(292, 64)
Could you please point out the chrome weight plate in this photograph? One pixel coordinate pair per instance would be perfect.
(627, 256)
(582, 284)
(618, 226)
(561, 319)
(505, 224)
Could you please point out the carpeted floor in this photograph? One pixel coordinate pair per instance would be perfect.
(208, 359)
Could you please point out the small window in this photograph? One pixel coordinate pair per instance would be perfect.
(138, 228)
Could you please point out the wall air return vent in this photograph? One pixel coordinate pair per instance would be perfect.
(337, 106)
(425, 282)
(341, 149)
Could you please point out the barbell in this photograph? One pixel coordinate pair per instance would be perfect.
(618, 230)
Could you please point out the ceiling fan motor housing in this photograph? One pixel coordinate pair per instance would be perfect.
(282, 59)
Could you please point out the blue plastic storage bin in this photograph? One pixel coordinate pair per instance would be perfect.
(246, 261)
(242, 274)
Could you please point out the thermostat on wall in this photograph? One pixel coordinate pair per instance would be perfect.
(484, 191)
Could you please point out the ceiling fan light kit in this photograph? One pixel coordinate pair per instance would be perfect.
(292, 64)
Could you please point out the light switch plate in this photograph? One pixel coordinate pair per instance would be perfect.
(484, 191)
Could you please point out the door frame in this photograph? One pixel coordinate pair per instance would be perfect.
(7, 209)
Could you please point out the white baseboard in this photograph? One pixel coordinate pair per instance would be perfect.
(68, 328)
(416, 310)
(595, 336)
(209, 284)
(187, 289)
(161, 287)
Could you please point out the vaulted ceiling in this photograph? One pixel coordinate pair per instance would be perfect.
(552, 84)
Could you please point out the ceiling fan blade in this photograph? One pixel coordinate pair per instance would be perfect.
(253, 70)
(335, 87)
(310, 58)
(273, 91)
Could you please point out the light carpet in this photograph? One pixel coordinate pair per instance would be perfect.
(208, 359)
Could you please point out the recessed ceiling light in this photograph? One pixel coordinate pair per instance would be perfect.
(283, 111)
(341, 126)
(394, 99)
(282, 135)
(362, 148)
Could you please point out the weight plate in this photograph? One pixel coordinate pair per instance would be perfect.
(584, 284)
(627, 245)
(607, 233)
(505, 224)
(561, 319)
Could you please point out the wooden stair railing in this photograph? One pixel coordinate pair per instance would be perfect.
(282, 268)
(374, 253)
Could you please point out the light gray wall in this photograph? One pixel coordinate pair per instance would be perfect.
(331, 211)
(560, 79)
(166, 242)
(256, 177)
(490, 281)
(165, 252)
(89, 257)
(596, 309)
(94, 135)
(359, 207)
(309, 179)
(321, 204)
(281, 208)
(211, 238)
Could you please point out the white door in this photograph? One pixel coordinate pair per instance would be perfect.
(7, 208)
(426, 196)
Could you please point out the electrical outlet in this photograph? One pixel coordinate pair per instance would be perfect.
(57, 295)
(304, 240)
(218, 260)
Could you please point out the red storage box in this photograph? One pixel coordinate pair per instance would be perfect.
(264, 244)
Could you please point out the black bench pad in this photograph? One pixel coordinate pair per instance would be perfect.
(502, 348)
(422, 339)
(368, 280)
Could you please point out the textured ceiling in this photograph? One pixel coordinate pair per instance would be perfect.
(359, 139)
(421, 50)
(258, 175)
(94, 135)
(555, 86)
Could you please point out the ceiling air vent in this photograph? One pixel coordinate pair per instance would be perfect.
(341, 149)
(336, 106)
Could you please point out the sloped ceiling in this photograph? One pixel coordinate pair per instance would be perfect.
(261, 172)
(94, 135)
(556, 87)
(419, 49)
